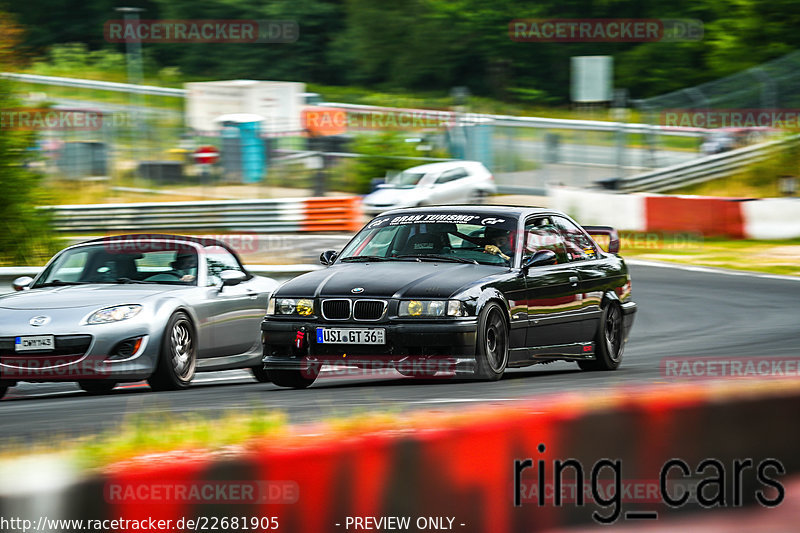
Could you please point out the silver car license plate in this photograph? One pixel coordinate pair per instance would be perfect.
(351, 336)
(34, 342)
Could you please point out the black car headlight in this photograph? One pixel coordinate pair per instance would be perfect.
(430, 308)
(290, 306)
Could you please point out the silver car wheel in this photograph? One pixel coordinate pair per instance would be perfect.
(182, 349)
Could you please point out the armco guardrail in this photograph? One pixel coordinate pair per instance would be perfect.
(500, 120)
(264, 216)
(96, 85)
(530, 122)
(477, 471)
(700, 170)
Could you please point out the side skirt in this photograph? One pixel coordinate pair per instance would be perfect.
(578, 351)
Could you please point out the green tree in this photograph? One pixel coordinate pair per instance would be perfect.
(25, 235)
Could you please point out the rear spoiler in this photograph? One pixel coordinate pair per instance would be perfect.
(611, 233)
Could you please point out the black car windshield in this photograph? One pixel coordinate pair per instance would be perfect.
(118, 262)
(459, 237)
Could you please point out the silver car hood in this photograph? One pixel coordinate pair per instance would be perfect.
(77, 296)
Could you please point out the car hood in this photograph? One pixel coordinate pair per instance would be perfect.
(399, 279)
(78, 296)
(392, 196)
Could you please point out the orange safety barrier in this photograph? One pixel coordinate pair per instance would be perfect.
(332, 214)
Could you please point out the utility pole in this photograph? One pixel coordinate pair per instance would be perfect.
(133, 60)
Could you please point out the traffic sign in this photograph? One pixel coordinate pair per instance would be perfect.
(206, 155)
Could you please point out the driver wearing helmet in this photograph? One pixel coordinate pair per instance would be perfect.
(498, 242)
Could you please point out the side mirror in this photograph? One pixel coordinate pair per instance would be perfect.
(540, 258)
(328, 257)
(231, 277)
(22, 283)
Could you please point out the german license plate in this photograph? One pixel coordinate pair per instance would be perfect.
(351, 336)
(34, 342)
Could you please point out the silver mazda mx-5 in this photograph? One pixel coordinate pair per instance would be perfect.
(133, 307)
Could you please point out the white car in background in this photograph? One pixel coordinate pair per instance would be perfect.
(450, 182)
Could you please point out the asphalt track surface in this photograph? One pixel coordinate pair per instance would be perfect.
(682, 313)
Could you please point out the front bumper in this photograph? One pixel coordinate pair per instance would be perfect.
(446, 346)
(81, 353)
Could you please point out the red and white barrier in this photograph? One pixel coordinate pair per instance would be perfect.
(738, 218)
(461, 469)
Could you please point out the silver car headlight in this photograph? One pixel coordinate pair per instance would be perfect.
(430, 308)
(114, 314)
(290, 306)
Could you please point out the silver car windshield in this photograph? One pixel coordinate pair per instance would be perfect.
(116, 262)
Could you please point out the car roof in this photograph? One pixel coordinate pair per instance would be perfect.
(442, 165)
(515, 210)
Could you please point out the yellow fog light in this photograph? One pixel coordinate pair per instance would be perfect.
(414, 308)
(305, 307)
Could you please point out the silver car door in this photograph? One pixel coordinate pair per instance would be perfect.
(237, 310)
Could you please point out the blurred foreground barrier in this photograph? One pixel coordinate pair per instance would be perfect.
(634, 454)
(738, 218)
(264, 216)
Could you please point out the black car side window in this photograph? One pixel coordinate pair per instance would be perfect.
(579, 246)
(542, 234)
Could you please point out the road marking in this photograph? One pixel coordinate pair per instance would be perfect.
(710, 270)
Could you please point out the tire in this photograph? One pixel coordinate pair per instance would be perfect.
(178, 357)
(97, 387)
(295, 379)
(261, 375)
(3, 389)
(608, 340)
(491, 351)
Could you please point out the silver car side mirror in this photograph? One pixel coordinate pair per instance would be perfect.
(231, 277)
(22, 283)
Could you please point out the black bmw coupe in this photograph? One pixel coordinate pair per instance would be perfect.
(468, 290)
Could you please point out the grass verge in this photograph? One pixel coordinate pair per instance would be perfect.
(771, 257)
